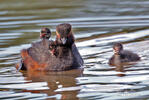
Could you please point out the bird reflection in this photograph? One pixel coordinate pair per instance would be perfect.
(56, 81)
(122, 67)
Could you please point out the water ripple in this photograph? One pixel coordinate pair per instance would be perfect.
(97, 24)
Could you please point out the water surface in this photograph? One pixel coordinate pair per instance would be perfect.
(97, 24)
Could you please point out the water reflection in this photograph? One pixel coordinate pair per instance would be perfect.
(122, 67)
(62, 83)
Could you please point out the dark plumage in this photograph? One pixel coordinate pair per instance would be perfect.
(45, 33)
(55, 55)
(64, 36)
(121, 56)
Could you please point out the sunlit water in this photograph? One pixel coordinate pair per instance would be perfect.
(97, 24)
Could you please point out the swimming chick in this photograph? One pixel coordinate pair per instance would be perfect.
(121, 55)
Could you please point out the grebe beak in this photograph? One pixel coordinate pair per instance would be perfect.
(63, 40)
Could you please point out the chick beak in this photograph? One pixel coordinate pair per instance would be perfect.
(63, 40)
(117, 52)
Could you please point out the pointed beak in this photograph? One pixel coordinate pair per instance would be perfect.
(116, 52)
(63, 40)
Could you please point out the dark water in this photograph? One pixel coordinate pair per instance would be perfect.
(97, 24)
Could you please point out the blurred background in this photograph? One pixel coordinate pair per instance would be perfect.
(97, 24)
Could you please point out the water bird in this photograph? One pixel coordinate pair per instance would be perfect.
(47, 55)
(121, 56)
